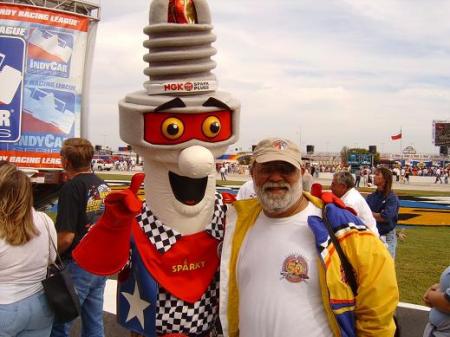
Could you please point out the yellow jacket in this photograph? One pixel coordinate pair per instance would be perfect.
(370, 314)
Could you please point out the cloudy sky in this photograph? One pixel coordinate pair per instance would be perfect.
(328, 73)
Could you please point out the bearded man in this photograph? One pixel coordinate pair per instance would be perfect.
(271, 283)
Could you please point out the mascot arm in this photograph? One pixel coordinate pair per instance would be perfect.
(105, 249)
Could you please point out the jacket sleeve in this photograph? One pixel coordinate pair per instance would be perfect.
(378, 295)
(390, 210)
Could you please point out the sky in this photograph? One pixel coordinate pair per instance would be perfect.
(327, 73)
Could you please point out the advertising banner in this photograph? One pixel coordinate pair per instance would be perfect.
(42, 60)
(441, 133)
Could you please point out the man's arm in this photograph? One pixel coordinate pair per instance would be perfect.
(67, 217)
(65, 240)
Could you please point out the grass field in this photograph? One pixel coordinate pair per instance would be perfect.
(421, 257)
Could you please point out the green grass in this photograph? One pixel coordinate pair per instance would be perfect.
(112, 176)
(421, 258)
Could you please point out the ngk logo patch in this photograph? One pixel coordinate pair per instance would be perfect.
(180, 87)
(12, 63)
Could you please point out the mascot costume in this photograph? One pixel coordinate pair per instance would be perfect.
(167, 249)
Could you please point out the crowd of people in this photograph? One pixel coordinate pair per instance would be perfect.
(275, 220)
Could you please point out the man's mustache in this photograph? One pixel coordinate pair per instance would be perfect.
(269, 185)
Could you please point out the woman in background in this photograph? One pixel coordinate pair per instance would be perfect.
(24, 257)
(385, 205)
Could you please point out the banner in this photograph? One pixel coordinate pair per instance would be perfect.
(441, 133)
(42, 64)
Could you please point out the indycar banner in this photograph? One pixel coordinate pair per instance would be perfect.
(42, 60)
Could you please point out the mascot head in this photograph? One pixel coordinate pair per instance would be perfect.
(180, 123)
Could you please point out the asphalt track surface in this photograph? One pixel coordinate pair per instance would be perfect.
(423, 211)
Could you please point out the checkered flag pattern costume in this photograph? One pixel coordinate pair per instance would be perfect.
(173, 314)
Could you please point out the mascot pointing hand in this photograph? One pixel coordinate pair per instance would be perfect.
(167, 249)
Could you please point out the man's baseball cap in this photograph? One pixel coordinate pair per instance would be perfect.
(277, 149)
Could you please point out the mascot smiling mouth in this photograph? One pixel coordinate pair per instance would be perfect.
(189, 191)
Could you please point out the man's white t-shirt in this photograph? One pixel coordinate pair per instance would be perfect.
(356, 201)
(278, 280)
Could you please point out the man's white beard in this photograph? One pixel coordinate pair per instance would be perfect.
(274, 203)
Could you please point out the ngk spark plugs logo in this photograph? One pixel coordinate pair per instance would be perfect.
(194, 86)
(49, 53)
(12, 64)
(182, 87)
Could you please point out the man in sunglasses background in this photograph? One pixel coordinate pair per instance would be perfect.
(280, 273)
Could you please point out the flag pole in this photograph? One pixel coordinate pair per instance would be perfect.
(401, 143)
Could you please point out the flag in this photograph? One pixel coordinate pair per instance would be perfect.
(397, 136)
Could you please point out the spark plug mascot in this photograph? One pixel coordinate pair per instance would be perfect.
(170, 244)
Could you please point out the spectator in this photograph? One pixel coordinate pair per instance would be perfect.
(272, 285)
(307, 178)
(385, 205)
(437, 297)
(438, 174)
(357, 177)
(80, 205)
(365, 176)
(24, 256)
(343, 186)
(223, 172)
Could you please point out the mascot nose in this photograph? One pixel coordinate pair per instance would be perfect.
(196, 162)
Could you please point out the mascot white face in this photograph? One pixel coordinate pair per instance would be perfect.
(180, 124)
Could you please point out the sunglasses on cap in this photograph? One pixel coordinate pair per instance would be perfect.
(283, 168)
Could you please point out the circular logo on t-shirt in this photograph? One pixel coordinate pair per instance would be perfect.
(295, 269)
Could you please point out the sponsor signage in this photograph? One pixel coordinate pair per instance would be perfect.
(181, 87)
(12, 64)
(441, 133)
(42, 59)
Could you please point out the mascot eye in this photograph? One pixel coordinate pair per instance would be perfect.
(172, 128)
(211, 126)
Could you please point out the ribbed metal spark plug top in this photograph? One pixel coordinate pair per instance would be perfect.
(179, 54)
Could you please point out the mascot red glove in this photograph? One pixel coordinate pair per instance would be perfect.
(106, 247)
(329, 197)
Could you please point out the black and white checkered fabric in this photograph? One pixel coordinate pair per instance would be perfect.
(176, 316)
(161, 236)
(217, 227)
(164, 237)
